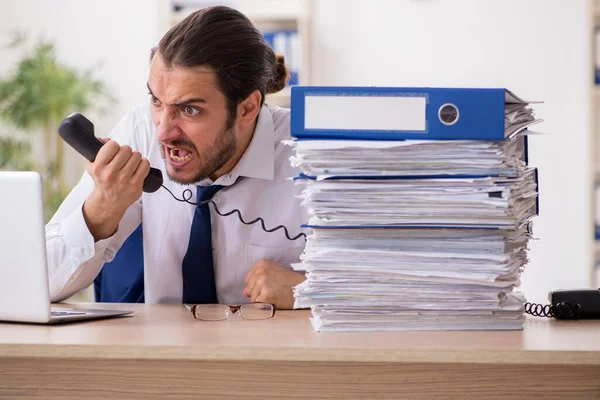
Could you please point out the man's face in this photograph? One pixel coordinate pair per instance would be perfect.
(193, 126)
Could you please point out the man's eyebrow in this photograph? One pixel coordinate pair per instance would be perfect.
(181, 103)
(189, 101)
(150, 90)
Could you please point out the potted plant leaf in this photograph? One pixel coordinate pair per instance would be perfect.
(34, 98)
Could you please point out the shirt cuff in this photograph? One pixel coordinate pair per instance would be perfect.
(78, 236)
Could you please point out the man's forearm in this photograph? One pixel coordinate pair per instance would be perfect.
(101, 218)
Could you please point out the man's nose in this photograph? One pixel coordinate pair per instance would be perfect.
(166, 127)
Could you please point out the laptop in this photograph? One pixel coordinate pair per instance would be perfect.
(24, 288)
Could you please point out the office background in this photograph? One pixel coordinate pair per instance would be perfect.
(540, 49)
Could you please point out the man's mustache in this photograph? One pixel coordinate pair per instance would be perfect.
(180, 143)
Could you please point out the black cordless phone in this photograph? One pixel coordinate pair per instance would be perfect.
(78, 132)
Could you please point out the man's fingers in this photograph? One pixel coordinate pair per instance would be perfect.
(132, 164)
(250, 280)
(107, 152)
(142, 170)
(121, 158)
(251, 284)
(266, 295)
(249, 274)
(255, 294)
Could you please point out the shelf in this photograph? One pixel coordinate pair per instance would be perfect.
(262, 12)
(270, 17)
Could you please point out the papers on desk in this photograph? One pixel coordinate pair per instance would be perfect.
(510, 317)
(468, 202)
(413, 279)
(411, 157)
(403, 279)
(416, 234)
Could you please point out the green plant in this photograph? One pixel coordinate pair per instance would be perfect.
(36, 96)
(14, 155)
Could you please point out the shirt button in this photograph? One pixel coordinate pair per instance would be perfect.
(216, 199)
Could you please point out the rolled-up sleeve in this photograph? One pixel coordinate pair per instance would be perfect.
(74, 259)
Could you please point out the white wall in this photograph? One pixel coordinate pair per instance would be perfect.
(538, 48)
(112, 36)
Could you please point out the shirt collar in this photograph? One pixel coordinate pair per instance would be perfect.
(258, 161)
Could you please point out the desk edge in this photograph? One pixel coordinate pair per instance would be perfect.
(457, 356)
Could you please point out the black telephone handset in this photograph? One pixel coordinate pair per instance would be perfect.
(78, 132)
(568, 304)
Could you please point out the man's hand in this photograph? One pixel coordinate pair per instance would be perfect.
(269, 282)
(118, 174)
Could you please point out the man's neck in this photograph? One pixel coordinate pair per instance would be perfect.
(245, 135)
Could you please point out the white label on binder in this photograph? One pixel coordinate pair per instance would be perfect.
(385, 113)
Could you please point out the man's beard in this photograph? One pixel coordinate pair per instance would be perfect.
(211, 159)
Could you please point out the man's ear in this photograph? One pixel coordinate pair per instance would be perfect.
(249, 108)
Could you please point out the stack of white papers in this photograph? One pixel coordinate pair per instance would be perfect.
(401, 279)
(415, 235)
(480, 202)
(325, 158)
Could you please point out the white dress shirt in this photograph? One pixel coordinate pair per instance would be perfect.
(266, 191)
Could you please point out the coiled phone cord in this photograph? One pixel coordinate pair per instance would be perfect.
(564, 310)
(187, 195)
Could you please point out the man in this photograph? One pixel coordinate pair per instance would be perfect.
(206, 127)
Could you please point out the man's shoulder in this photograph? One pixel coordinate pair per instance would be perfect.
(281, 121)
(141, 113)
(135, 129)
(141, 121)
(136, 118)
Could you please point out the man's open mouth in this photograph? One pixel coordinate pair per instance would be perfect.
(178, 155)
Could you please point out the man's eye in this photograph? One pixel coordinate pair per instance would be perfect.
(191, 111)
(154, 100)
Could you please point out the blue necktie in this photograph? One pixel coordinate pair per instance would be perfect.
(197, 267)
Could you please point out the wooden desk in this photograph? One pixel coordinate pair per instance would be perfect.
(162, 352)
